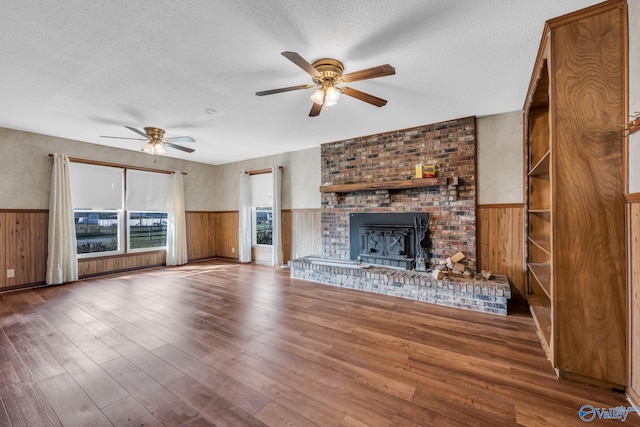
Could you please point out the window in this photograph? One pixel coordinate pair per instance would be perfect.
(147, 230)
(105, 219)
(97, 194)
(262, 209)
(146, 204)
(97, 231)
(263, 224)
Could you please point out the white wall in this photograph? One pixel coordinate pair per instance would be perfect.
(634, 92)
(500, 159)
(26, 169)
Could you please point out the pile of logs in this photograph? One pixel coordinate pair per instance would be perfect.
(452, 266)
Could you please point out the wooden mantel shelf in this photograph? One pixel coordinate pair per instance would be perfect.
(401, 184)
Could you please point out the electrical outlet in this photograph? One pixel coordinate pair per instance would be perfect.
(11, 273)
(297, 255)
(233, 250)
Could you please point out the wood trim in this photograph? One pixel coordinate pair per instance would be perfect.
(596, 382)
(628, 236)
(501, 206)
(261, 171)
(625, 94)
(633, 304)
(204, 212)
(116, 256)
(26, 210)
(586, 12)
(632, 127)
(400, 184)
(634, 398)
(632, 197)
(117, 165)
(535, 76)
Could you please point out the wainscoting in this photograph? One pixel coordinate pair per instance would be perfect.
(226, 235)
(501, 241)
(23, 243)
(633, 329)
(94, 266)
(23, 246)
(201, 234)
(301, 233)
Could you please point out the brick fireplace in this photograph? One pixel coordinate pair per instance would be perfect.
(392, 157)
(374, 175)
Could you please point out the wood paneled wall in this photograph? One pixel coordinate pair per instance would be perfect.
(301, 233)
(23, 240)
(227, 234)
(633, 329)
(262, 255)
(23, 246)
(201, 234)
(501, 241)
(88, 267)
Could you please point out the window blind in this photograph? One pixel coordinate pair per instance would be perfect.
(261, 190)
(96, 187)
(147, 191)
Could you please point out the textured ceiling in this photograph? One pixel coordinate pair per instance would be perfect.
(81, 69)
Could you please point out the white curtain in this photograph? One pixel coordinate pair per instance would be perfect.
(277, 216)
(244, 237)
(176, 222)
(62, 260)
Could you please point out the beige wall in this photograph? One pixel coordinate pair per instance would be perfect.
(500, 158)
(26, 169)
(300, 179)
(23, 157)
(634, 93)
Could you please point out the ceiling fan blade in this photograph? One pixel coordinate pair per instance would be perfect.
(180, 139)
(363, 96)
(369, 73)
(284, 89)
(137, 131)
(315, 110)
(179, 147)
(302, 63)
(122, 137)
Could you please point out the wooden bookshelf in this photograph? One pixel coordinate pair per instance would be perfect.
(574, 181)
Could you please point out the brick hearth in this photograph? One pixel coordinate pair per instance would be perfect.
(487, 296)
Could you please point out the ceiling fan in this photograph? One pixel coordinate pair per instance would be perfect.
(156, 142)
(327, 74)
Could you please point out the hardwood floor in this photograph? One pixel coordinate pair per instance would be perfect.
(216, 343)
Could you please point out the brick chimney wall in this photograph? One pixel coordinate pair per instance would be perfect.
(451, 145)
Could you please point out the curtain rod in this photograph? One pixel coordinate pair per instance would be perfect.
(117, 165)
(261, 171)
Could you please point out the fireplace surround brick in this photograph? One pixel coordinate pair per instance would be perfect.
(486, 296)
(451, 145)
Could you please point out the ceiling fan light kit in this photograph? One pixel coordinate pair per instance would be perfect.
(156, 142)
(327, 74)
(154, 148)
